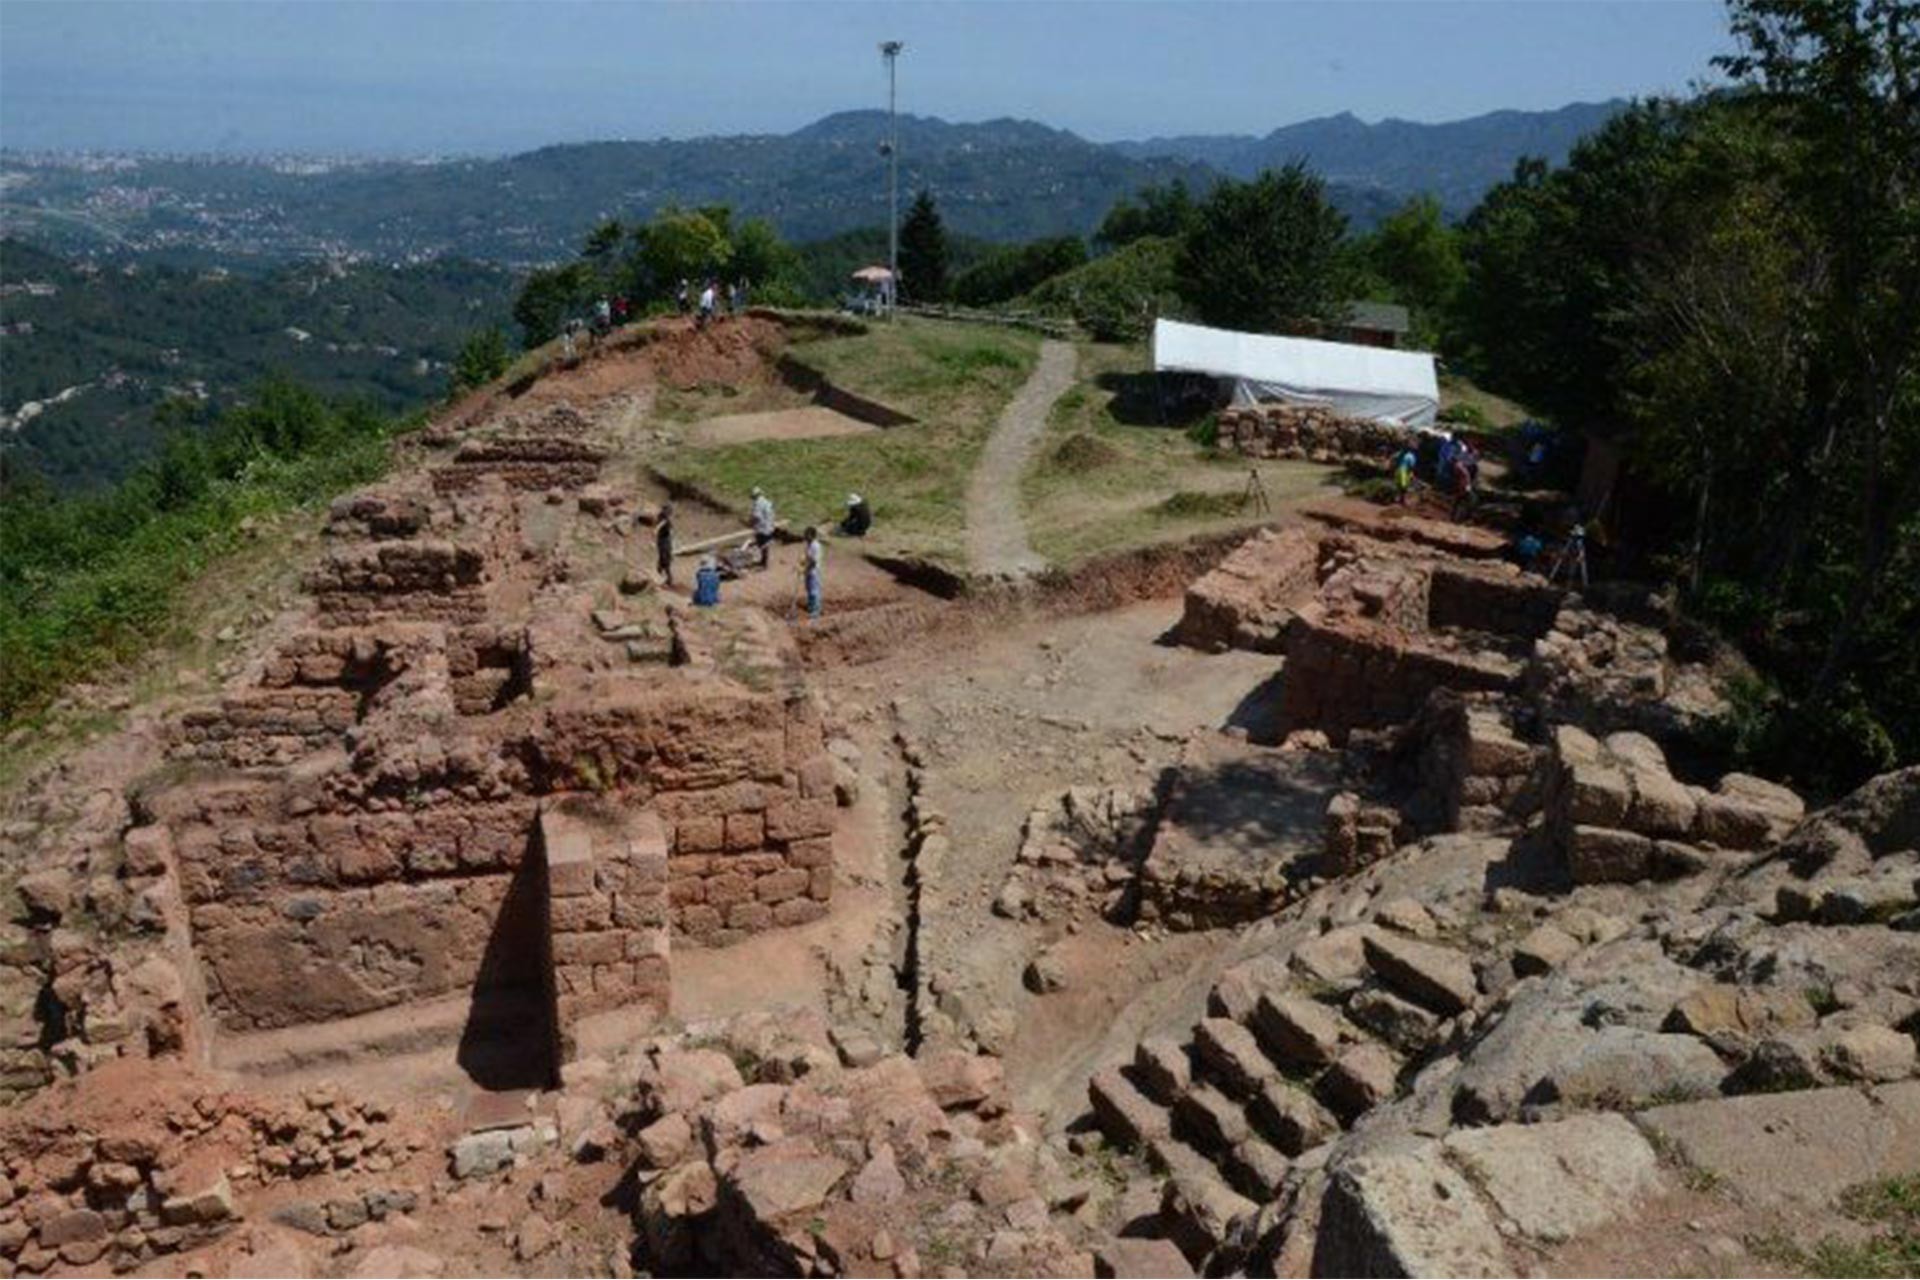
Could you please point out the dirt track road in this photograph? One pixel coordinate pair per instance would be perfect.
(996, 533)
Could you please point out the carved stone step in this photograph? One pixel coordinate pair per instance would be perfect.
(1298, 1032)
(1164, 1069)
(1290, 1118)
(1210, 1120)
(1231, 1057)
(1127, 1116)
(1255, 1169)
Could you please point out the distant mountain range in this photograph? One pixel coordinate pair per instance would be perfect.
(1456, 161)
(998, 179)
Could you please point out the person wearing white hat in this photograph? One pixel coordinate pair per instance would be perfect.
(859, 517)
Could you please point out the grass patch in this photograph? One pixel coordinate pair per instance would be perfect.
(1466, 405)
(1888, 1211)
(954, 378)
(1108, 480)
(1188, 504)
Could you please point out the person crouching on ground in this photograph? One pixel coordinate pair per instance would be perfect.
(663, 543)
(815, 557)
(762, 521)
(859, 517)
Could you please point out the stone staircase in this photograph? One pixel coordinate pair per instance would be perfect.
(1295, 1047)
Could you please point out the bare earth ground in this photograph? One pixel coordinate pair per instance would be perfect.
(1049, 703)
(996, 534)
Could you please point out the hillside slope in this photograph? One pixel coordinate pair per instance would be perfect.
(90, 353)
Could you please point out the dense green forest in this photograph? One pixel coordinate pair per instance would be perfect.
(121, 339)
(1730, 289)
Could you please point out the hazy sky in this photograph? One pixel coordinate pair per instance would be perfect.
(417, 76)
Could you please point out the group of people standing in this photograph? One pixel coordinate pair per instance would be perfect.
(762, 524)
(1456, 471)
(706, 306)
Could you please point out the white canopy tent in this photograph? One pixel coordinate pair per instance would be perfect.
(1358, 381)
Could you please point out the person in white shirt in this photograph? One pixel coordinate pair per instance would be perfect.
(814, 561)
(763, 523)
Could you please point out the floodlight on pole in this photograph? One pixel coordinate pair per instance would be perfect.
(890, 50)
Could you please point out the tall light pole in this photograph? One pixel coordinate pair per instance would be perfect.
(890, 50)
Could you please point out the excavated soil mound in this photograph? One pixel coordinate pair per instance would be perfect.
(1080, 451)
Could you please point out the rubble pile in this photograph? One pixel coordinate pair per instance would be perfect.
(1080, 852)
(761, 1151)
(128, 1164)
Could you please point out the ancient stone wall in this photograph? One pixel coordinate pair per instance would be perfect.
(1473, 772)
(1246, 601)
(1491, 597)
(530, 462)
(1344, 674)
(358, 827)
(606, 913)
(1307, 431)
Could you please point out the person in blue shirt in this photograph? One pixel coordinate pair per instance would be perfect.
(706, 583)
(1403, 474)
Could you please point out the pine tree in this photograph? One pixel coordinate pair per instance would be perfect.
(923, 252)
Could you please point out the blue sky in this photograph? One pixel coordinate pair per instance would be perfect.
(421, 76)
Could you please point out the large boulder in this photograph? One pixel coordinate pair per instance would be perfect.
(1405, 1211)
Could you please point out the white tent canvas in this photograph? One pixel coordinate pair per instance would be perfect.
(1358, 381)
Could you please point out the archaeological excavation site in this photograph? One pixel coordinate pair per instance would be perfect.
(1098, 886)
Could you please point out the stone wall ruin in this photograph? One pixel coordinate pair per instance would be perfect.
(449, 785)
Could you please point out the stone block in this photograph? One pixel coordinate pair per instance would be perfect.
(810, 853)
(1604, 855)
(778, 886)
(1598, 795)
(796, 911)
(745, 831)
(703, 834)
(607, 947)
(724, 891)
(749, 916)
(1437, 977)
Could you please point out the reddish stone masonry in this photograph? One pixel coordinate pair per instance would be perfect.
(450, 783)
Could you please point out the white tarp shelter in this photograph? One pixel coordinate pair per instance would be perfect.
(1358, 381)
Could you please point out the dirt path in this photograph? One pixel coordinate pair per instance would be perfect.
(996, 533)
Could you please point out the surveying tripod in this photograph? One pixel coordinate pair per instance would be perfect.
(1572, 556)
(1255, 494)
